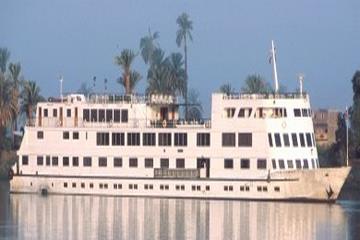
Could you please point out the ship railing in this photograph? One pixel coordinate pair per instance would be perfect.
(234, 96)
(176, 173)
(133, 98)
(180, 123)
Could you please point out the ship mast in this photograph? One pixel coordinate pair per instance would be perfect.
(273, 61)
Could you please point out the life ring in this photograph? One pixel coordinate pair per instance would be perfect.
(283, 124)
(164, 124)
(10, 174)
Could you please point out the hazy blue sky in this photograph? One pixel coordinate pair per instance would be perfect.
(79, 39)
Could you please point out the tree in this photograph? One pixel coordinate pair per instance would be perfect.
(355, 113)
(124, 61)
(8, 105)
(15, 71)
(182, 35)
(4, 58)
(148, 45)
(227, 89)
(195, 108)
(84, 89)
(134, 78)
(177, 73)
(158, 79)
(30, 96)
(255, 84)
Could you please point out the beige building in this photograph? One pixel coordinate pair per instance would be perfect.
(325, 126)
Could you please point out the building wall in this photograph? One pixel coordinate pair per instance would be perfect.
(325, 126)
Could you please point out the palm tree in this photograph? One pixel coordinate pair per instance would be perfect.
(4, 58)
(227, 89)
(30, 96)
(158, 79)
(255, 84)
(124, 61)
(15, 71)
(184, 33)
(148, 45)
(177, 76)
(195, 108)
(134, 78)
(8, 104)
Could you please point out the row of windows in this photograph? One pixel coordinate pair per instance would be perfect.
(55, 112)
(266, 112)
(229, 139)
(304, 112)
(166, 187)
(244, 163)
(106, 115)
(276, 164)
(301, 139)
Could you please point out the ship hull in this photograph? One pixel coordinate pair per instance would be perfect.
(322, 184)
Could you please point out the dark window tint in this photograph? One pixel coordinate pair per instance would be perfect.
(109, 115)
(245, 163)
(117, 115)
(133, 139)
(298, 163)
(261, 163)
(164, 139)
(297, 112)
(54, 112)
(25, 160)
(93, 115)
(308, 140)
(40, 160)
(164, 163)
(101, 115)
(149, 139)
(294, 139)
(286, 140)
(46, 113)
(75, 161)
(304, 112)
(40, 134)
(133, 162)
(228, 139)
(302, 139)
(118, 139)
(228, 163)
(102, 161)
(273, 161)
(75, 135)
(87, 161)
(66, 135)
(117, 162)
(290, 164)
(54, 161)
(48, 161)
(68, 112)
(277, 140)
(180, 139)
(124, 116)
(66, 161)
(245, 139)
(306, 164)
(281, 164)
(102, 139)
(203, 139)
(86, 115)
(149, 163)
(270, 140)
(180, 163)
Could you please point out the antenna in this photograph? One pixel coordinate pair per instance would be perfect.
(273, 61)
(301, 82)
(61, 79)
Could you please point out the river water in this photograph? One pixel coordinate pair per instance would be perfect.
(25, 216)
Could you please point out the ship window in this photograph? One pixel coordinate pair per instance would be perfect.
(75, 135)
(66, 135)
(281, 164)
(40, 134)
(47, 160)
(86, 115)
(302, 140)
(124, 116)
(93, 115)
(244, 163)
(290, 164)
(277, 140)
(40, 160)
(117, 162)
(270, 140)
(180, 163)
(228, 163)
(294, 140)
(286, 140)
(116, 115)
(304, 112)
(241, 113)
(75, 161)
(87, 161)
(65, 161)
(149, 163)
(312, 163)
(45, 112)
(101, 115)
(55, 161)
(91, 185)
(203, 139)
(164, 163)
(82, 185)
(164, 139)
(230, 112)
(102, 138)
(285, 112)
(109, 115)
(297, 112)
(68, 112)
(102, 161)
(180, 139)
(228, 139)
(133, 162)
(261, 163)
(298, 163)
(149, 139)
(54, 112)
(118, 139)
(273, 163)
(306, 164)
(133, 139)
(245, 139)
(277, 189)
(313, 138)
(308, 139)
(65, 185)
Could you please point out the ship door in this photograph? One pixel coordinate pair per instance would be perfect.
(204, 163)
(76, 117)
(40, 117)
(164, 113)
(61, 117)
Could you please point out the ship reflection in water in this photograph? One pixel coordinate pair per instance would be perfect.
(92, 217)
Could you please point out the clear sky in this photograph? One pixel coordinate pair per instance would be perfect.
(79, 39)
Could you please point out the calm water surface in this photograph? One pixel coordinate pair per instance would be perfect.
(24, 216)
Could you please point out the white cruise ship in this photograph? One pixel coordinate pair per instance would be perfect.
(256, 146)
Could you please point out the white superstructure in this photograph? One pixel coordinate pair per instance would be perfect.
(256, 146)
